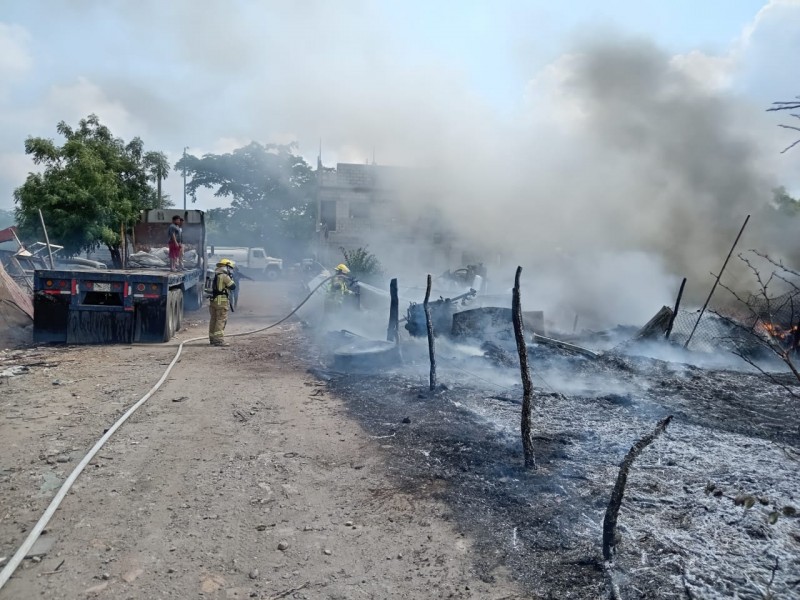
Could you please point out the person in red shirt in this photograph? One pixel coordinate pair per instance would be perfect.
(175, 233)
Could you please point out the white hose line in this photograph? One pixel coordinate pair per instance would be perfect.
(26, 546)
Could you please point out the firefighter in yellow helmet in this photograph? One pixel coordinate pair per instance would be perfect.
(338, 288)
(222, 286)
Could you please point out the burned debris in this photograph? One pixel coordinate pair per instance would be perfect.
(441, 311)
(595, 392)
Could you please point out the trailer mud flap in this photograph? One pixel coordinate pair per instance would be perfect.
(50, 316)
(150, 321)
(99, 327)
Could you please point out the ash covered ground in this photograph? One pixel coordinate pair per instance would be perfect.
(710, 509)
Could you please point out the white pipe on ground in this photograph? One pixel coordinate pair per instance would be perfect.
(34, 534)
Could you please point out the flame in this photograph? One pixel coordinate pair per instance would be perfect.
(778, 332)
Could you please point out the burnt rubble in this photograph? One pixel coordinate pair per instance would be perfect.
(710, 508)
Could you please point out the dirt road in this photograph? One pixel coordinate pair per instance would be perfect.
(242, 478)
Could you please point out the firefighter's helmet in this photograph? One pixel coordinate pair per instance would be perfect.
(226, 262)
(342, 268)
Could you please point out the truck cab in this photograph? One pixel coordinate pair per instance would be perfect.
(254, 262)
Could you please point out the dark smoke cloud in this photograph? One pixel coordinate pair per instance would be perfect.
(628, 174)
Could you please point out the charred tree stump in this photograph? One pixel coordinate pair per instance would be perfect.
(675, 310)
(527, 384)
(429, 325)
(392, 333)
(612, 512)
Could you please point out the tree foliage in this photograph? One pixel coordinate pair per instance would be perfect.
(156, 165)
(363, 264)
(271, 191)
(90, 187)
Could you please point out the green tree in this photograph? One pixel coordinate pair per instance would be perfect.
(271, 191)
(91, 187)
(363, 264)
(157, 166)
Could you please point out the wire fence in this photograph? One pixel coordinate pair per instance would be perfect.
(712, 334)
(734, 328)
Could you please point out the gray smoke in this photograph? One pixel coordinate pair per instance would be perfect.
(628, 175)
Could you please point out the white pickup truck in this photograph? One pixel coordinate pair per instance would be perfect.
(253, 262)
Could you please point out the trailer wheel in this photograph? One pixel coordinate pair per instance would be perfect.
(178, 309)
(169, 317)
(194, 297)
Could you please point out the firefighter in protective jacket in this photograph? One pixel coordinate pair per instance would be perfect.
(338, 289)
(222, 286)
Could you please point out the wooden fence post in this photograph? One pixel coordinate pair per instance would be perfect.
(431, 343)
(392, 333)
(527, 384)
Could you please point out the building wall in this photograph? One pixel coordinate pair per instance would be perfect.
(368, 213)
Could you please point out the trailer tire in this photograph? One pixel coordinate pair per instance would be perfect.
(194, 297)
(169, 317)
(178, 309)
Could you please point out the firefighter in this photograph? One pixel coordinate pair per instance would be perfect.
(222, 286)
(338, 289)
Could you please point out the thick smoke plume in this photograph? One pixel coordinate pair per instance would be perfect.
(619, 172)
(627, 175)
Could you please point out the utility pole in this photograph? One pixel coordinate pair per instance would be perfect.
(184, 177)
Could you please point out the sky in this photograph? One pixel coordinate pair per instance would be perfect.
(400, 80)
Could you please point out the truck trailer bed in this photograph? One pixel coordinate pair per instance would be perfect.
(113, 306)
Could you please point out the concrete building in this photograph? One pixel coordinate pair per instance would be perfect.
(390, 210)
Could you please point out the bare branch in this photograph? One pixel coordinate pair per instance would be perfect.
(769, 375)
(761, 329)
(790, 146)
(779, 264)
(790, 105)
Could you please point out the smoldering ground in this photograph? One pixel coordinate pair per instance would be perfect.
(710, 508)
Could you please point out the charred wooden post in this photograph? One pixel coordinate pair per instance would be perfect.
(527, 384)
(429, 325)
(392, 333)
(612, 512)
(675, 310)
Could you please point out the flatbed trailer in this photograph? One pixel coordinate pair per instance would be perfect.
(120, 306)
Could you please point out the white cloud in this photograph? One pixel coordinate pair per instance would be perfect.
(771, 9)
(14, 166)
(74, 101)
(15, 56)
(708, 71)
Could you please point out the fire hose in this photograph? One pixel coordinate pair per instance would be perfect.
(34, 534)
